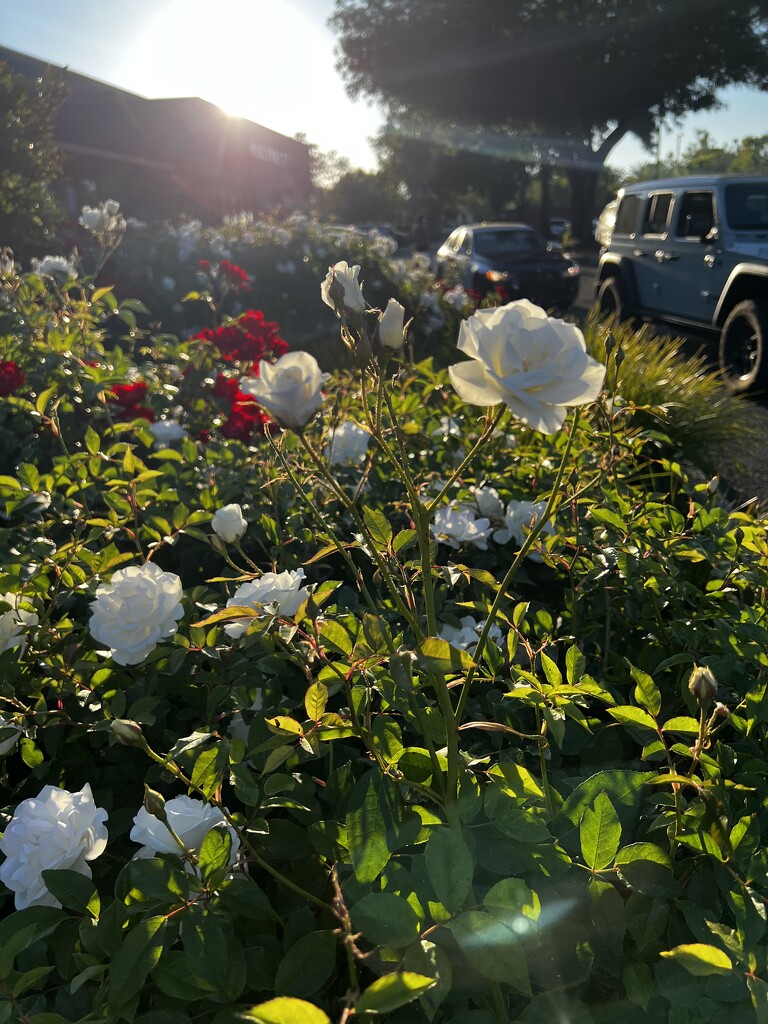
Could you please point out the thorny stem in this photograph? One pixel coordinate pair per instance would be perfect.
(527, 545)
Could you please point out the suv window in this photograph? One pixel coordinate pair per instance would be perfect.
(697, 215)
(746, 206)
(657, 213)
(626, 217)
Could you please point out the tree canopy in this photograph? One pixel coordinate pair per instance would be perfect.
(580, 73)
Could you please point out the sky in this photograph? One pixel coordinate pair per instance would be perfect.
(269, 60)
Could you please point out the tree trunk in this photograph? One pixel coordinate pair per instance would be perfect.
(583, 182)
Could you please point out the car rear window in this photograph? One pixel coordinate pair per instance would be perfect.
(746, 206)
(508, 243)
(626, 218)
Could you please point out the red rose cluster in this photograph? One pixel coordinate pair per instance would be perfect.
(11, 377)
(128, 399)
(229, 274)
(248, 339)
(245, 415)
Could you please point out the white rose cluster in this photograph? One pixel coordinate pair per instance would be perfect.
(57, 267)
(54, 830)
(456, 525)
(138, 608)
(14, 623)
(191, 819)
(167, 432)
(104, 219)
(485, 518)
(283, 589)
(466, 635)
(291, 389)
(537, 365)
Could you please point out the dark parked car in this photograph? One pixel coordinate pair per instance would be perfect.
(509, 258)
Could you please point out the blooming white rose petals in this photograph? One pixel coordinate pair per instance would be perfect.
(290, 389)
(456, 525)
(58, 267)
(283, 589)
(535, 364)
(391, 326)
(137, 609)
(347, 288)
(14, 623)
(190, 819)
(54, 830)
(347, 445)
(228, 523)
(167, 431)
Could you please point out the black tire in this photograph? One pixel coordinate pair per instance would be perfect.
(610, 299)
(743, 339)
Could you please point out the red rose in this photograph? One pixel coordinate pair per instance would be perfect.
(128, 398)
(11, 377)
(249, 339)
(234, 276)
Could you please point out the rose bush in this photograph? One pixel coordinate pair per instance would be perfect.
(409, 770)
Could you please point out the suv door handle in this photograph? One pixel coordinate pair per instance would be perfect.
(665, 257)
(639, 253)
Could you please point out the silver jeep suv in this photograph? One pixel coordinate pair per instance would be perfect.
(693, 252)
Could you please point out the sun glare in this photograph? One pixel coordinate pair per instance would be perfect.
(259, 59)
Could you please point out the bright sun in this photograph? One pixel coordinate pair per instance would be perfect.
(262, 59)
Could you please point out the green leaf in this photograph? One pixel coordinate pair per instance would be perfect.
(286, 1010)
(373, 821)
(210, 768)
(378, 526)
(647, 692)
(575, 664)
(133, 961)
(600, 833)
(551, 671)
(92, 441)
(629, 715)
(450, 867)
(385, 919)
(159, 878)
(648, 869)
(433, 962)
(512, 894)
(315, 701)
(392, 991)
(700, 959)
(24, 927)
(215, 854)
(515, 780)
(492, 948)
(436, 655)
(307, 965)
(683, 724)
(73, 890)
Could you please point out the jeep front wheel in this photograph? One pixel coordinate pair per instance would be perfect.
(610, 298)
(742, 346)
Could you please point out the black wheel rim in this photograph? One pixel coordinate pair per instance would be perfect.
(740, 350)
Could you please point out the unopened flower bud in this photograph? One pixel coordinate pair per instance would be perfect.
(154, 803)
(610, 343)
(619, 358)
(722, 710)
(390, 330)
(126, 732)
(713, 485)
(703, 685)
(738, 535)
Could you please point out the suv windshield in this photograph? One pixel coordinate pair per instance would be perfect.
(746, 206)
(501, 243)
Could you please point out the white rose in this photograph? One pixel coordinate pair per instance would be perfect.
(13, 734)
(456, 525)
(466, 636)
(283, 589)
(93, 219)
(57, 267)
(138, 608)
(535, 364)
(290, 389)
(190, 819)
(349, 291)
(347, 445)
(54, 830)
(520, 517)
(228, 523)
(167, 431)
(14, 623)
(488, 502)
(391, 333)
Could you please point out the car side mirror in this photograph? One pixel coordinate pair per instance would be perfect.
(711, 236)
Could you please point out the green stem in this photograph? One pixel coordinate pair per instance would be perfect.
(491, 423)
(527, 545)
